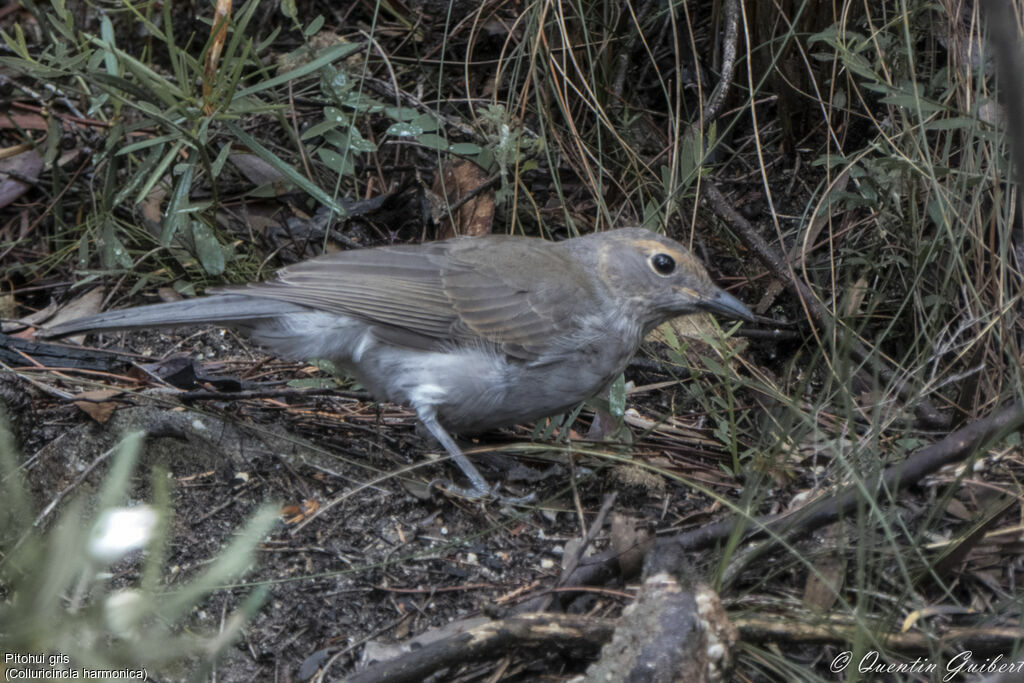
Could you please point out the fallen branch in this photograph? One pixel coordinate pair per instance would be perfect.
(824, 511)
(602, 567)
(550, 632)
(981, 642)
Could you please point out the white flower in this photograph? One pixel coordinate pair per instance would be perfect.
(120, 531)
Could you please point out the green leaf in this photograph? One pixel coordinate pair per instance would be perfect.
(319, 129)
(53, 137)
(117, 478)
(691, 156)
(400, 113)
(158, 170)
(314, 383)
(859, 65)
(327, 366)
(113, 252)
(952, 123)
(485, 160)
(342, 165)
(167, 91)
(652, 215)
(432, 141)
(617, 398)
(362, 102)
(145, 144)
(17, 44)
(714, 366)
(222, 157)
(403, 130)
(428, 122)
(314, 26)
(186, 289)
(465, 148)
(107, 33)
(116, 85)
(914, 103)
(350, 140)
(285, 169)
(336, 81)
(337, 52)
(33, 69)
(175, 216)
(337, 116)
(208, 248)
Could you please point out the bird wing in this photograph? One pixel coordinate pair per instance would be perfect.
(510, 292)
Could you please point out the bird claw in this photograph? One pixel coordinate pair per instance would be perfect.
(480, 494)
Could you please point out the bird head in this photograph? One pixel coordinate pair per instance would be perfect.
(656, 278)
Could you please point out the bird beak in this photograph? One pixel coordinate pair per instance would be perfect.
(723, 303)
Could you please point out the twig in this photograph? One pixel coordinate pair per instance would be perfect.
(541, 603)
(265, 393)
(980, 642)
(713, 107)
(489, 183)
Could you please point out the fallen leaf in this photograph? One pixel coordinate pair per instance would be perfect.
(825, 582)
(631, 538)
(855, 296)
(476, 216)
(28, 321)
(95, 405)
(6, 305)
(152, 209)
(27, 121)
(27, 166)
(260, 173)
(87, 304)
(293, 514)
(221, 16)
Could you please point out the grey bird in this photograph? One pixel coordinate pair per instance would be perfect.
(472, 332)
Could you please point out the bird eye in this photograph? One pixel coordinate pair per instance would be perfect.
(663, 264)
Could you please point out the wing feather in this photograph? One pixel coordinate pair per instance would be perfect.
(463, 291)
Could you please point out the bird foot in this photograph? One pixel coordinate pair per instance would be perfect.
(480, 494)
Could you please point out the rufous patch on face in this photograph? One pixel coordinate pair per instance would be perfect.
(683, 259)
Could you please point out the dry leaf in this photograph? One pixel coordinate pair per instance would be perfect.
(823, 586)
(689, 326)
(221, 17)
(87, 304)
(27, 121)
(26, 164)
(293, 514)
(152, 209)
(94, 405)
(169, 294)
(855, 296)
(260, 173)
(6, 305)
(631, 538)
(25, 322)
(476, 216)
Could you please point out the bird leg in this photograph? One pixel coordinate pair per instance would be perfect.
(479, 487)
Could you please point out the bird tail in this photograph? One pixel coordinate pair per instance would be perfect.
(229, 310)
